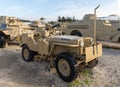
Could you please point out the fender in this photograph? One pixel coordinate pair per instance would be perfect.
(25, 39)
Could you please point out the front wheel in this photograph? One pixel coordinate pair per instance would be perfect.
(2, 41)
(65, 66)
(27, 54)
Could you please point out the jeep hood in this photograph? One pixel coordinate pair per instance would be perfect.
(65, 39)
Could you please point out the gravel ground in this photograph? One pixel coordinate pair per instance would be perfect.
(14, 72)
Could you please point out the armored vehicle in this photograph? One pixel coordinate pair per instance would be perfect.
(106, 30)
(11, 28)
(36, 24)
(67, 53)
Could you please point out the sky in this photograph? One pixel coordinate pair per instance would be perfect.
(51, 9)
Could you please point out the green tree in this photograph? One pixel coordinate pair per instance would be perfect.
(63, 19)
(59, 19)
(42, 19)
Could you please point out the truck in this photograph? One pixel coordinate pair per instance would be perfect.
(106, 29)
(10, 29)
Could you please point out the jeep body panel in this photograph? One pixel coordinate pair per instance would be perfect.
(93, 52)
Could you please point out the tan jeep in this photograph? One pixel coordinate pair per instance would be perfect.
(68, 53)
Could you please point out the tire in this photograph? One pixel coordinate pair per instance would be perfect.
(65, 66)
(92, 63)
(27, 54)
(119, 39)
(76, 33)
(2, 41)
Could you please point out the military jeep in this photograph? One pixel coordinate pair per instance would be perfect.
(68, 53)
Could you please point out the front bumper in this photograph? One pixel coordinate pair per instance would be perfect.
(93, 52)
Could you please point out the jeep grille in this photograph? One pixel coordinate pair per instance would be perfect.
(87, 42)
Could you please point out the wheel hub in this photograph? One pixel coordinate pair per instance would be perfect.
(26, 53)
(64, 67)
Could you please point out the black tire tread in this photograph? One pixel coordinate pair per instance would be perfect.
(2, 42)
(76, 33)
(119, 39)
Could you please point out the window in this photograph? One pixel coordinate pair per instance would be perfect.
(3, 26)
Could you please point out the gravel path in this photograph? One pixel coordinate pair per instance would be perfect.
(14, 72)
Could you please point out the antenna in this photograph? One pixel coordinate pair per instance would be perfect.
(95, 41)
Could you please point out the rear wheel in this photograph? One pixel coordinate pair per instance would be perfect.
(65, 66)
(27, 54)
(119, 39)
(92, 63)
(76, 33)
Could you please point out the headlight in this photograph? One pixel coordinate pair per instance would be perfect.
(92, 42)
(82, 44)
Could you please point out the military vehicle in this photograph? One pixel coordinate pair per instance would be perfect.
(37, 24)
(106, 30)
(68, 53)
(11, 28)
